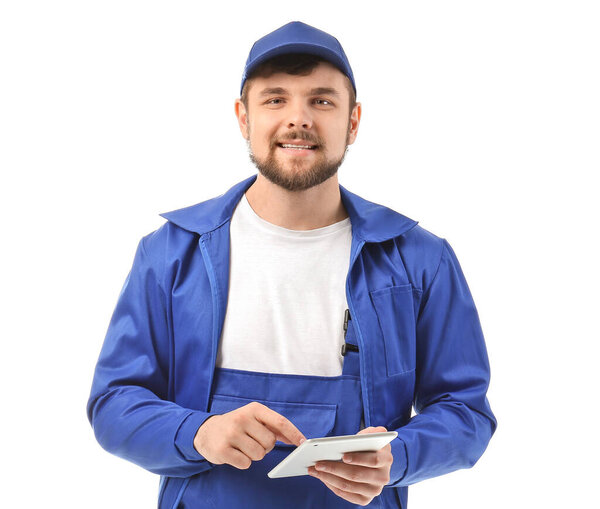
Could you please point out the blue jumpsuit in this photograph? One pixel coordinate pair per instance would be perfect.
(316, 405)
(417, 326)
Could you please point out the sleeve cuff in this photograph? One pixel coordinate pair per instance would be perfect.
(184, 438)
(400, 463)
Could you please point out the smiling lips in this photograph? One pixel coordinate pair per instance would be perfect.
(289, 145)
(298, 148)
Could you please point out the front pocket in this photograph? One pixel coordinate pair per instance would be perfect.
(314, 420)
(394, 306)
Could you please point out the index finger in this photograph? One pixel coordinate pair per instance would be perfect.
(282, 427)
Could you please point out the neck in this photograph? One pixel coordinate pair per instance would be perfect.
(313, 208)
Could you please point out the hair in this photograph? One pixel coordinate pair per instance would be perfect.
(298, 64)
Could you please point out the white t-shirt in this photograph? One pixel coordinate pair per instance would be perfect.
(287, 297)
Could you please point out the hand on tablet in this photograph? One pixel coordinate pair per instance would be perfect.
(361, 476)
(244, 435)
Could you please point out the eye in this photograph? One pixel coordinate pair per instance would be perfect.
(274, 101)
(324, 102)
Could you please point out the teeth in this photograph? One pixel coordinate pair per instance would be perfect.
(287, 145)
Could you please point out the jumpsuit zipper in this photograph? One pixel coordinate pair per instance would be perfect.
(216, 314)
(361, 349)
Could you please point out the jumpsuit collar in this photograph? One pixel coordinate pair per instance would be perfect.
(370, 221)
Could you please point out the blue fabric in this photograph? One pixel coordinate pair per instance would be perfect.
(318, 406)
(415, 323)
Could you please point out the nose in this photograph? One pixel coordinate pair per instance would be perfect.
(299, 116)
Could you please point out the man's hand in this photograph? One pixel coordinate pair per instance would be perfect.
(244, 435)
(361, 476)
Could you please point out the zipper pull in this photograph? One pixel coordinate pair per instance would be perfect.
(347, 346)
(346, 318)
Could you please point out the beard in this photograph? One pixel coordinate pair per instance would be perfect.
(297, 177)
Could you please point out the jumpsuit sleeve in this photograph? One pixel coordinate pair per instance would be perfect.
(454, 422)
(128, 406)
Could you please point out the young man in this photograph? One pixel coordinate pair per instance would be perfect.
(289, 308)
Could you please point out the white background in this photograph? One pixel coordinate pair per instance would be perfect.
(480, 120)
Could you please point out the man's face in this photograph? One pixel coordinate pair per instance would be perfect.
(287, 111)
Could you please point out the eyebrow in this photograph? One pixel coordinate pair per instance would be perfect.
(314, 91)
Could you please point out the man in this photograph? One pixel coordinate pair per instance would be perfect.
(289, 308)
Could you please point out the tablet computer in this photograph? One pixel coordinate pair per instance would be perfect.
(328, 448)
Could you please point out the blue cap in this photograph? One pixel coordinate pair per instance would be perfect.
(298, 37)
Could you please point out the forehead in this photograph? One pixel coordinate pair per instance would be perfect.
(323, 76)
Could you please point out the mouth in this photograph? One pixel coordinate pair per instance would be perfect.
(296, 146)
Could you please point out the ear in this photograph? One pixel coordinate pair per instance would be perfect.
(242, 116)
(354, 123)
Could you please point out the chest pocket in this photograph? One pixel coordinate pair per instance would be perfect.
(394, 306)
